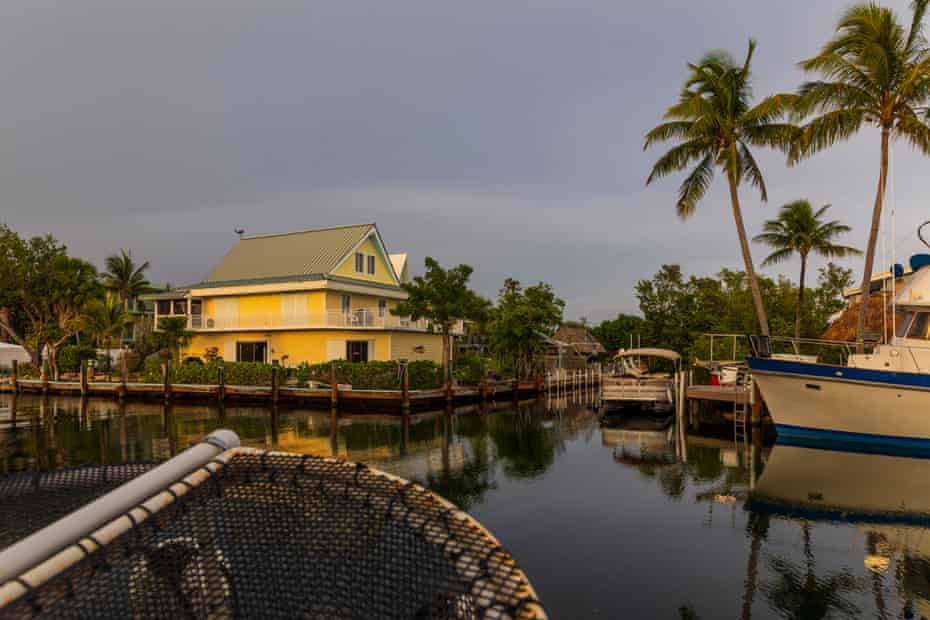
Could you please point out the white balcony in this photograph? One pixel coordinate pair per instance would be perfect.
(361, 318)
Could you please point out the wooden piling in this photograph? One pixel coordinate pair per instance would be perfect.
(166, 379)
(220, 382)
(484, 386)
(84, 382)
(334, 394)
(43, 375)
(404, 389)
(275, 381)
(14, 376)
(449, 392)
(123, 375)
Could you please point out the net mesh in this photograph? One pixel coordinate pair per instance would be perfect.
(29, 501)
(278, 535)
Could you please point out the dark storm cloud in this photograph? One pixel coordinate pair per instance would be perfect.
(503, 134)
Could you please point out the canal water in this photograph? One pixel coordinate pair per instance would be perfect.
(610, 516)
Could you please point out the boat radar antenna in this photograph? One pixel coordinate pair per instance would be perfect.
(920, 233)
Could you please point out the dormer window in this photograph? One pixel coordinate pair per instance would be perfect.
(371, 265)
(359, 262)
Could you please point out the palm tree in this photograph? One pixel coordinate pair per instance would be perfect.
(715, 127)
(105, 319)
(874, 73)
(799, 229)
(125, 278)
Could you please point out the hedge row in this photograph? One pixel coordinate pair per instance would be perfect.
(235, 373)
(424, 375)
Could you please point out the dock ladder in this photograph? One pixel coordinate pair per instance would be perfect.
(742, 408)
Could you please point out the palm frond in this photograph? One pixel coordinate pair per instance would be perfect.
(839, 69)
(678, 158)
(915, 131)
(821, 96)
(778, 256)
(915, 36)
(825, 131)
(667, 131)
(750, 170)
(695, 186)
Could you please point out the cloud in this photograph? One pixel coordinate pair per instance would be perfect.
(504, 135)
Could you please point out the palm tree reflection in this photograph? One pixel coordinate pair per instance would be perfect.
(798, 593)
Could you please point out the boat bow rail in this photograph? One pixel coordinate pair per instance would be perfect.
(251, 533)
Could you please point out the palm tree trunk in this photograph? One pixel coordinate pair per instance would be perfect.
(106, 349)
(800, 307)
(873, 239)
(752, 571)
(747, 257)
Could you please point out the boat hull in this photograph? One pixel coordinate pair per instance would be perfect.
(845, 406)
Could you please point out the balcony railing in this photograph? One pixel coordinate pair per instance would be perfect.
(361, 318)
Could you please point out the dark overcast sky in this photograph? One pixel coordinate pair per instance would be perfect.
(507, 135)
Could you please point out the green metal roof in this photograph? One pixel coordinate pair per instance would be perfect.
(288, 255)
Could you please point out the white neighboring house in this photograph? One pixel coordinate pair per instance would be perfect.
(12, 352)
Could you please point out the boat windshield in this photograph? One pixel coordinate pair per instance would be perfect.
(920, 327)
(904, 324)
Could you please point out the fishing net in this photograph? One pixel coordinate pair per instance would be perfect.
(276, 535)
(32, 500)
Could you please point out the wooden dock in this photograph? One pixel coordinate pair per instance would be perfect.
(336, 397)
(718, 393)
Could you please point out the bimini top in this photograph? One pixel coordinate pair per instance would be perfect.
(649, 352)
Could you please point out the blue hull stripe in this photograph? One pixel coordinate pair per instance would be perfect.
(841, 373)
(865, 443)
(812, 513)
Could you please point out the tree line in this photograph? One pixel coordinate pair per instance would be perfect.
(48, 298)
(677, 309)
(874, 72)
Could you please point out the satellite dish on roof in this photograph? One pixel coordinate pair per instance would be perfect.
(239, 231)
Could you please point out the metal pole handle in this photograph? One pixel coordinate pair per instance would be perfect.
(37, 547)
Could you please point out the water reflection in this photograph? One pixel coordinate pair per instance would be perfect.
(885, 499)
(608, 514)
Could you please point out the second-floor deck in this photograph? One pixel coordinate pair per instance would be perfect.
(356, 319)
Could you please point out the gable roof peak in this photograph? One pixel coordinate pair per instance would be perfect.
(305, 230)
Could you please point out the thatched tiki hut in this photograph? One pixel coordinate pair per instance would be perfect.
(573, 347)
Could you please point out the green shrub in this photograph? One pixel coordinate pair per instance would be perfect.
(375, 375)
(425, 375)
(303, 375)
(243, 373)
(468, 368)
(71, 356)
(28, 371)
(236, 373)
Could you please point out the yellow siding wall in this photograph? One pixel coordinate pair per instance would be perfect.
(270, 305)
(382, 269)
(403, 346)
(314, 346)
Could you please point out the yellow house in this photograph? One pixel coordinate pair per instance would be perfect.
(307, 296)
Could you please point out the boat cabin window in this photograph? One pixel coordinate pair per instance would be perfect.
(920, 326)
(904, 323)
